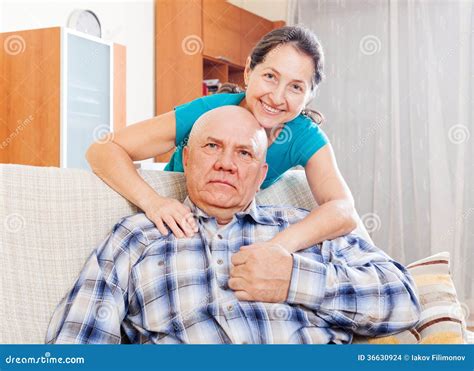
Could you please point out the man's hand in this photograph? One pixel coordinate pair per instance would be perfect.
(261, 272)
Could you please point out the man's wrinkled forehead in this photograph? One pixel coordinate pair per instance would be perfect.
(252, 143)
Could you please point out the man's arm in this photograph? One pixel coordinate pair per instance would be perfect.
(356, 286)
(92, 312)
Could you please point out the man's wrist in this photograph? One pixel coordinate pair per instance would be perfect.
(307, 282)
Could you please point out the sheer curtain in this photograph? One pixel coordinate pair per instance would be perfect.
(398, 99)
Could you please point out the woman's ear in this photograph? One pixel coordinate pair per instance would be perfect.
(247, 71)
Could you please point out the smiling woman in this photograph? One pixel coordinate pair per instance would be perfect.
(281, 74)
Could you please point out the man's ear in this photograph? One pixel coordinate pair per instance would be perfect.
(185, 157)
(263, 174)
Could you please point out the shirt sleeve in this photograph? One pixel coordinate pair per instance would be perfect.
(93, 311)
(187, 114)
(309, 138)
(356, 287)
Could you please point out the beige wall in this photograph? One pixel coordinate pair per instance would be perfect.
(274, 10)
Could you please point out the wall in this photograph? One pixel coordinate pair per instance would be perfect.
(126, 22)
(130, 23)
(274, 10)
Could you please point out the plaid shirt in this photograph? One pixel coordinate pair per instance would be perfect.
(141, 287)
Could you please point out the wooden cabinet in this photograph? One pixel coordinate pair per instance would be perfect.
(221, 30)
(59, 91)
(198, 40)
(201, 39)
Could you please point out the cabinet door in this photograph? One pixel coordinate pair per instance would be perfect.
(221, 30)
(253, 28)
(89, 96)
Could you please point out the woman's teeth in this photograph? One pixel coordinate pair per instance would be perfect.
(269, 109)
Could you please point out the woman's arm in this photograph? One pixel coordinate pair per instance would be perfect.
(335, 215)
(112, 160)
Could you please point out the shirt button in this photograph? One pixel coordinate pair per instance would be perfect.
(161, 262)
(220, 261)
(219, 237)
(230, 307)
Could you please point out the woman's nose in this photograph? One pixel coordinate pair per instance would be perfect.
(278, 95)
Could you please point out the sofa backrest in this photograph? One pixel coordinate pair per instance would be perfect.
(51, 219)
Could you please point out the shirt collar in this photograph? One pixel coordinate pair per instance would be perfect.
(253, 211)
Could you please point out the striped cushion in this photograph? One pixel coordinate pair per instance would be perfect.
(442, 320)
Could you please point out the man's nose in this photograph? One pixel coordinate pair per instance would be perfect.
(225, 161)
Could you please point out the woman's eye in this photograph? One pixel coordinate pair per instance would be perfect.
(297, 87)
(269, 75)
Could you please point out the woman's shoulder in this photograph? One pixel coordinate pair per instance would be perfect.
(209, 102)
(302, 125)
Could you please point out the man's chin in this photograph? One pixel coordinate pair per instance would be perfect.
(218, 199)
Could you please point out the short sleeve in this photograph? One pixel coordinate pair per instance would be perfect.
(187, 114)
(309, 138)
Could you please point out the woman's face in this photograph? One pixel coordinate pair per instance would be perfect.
(279, 87)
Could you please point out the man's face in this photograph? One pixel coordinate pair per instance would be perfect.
(224, 164)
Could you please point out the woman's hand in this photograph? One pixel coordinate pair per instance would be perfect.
(171, 212)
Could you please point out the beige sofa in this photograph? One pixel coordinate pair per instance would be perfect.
(52, 218)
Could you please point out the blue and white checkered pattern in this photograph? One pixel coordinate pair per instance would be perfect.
(141, 287)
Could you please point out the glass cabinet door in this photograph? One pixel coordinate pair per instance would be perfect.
(88, 104)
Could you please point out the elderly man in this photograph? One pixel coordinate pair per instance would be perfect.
(139, 286)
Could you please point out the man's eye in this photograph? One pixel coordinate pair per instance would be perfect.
(211, 145)
(245, 154)
(269, 75)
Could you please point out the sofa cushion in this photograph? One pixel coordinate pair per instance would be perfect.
(53, 218)
(442, 318)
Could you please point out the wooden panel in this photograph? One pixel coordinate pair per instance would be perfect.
(178, 53)
(221, 30)
(215, 70)
(236, 76)
(252, 28)
(120, 80)
(29, 97)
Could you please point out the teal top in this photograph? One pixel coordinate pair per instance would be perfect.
(300, 139)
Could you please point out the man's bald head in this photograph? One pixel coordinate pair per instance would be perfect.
(224, 161)
(230, 116)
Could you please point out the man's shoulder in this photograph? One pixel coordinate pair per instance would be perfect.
(140, 226)
(282, 213)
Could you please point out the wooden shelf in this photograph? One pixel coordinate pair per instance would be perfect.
(224, 34)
